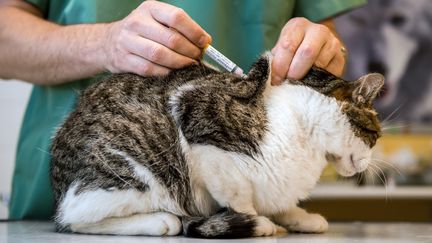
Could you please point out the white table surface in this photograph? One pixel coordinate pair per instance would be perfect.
(38, 232)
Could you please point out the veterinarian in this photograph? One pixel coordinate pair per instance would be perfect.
(62, 46)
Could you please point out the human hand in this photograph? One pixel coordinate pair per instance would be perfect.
(302, 44)
(153, 39)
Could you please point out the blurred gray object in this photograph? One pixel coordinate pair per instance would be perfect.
(393, 37)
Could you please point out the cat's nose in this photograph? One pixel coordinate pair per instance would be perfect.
(359, 164)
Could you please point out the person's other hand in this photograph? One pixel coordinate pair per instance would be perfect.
(302, 44)
(153, 39)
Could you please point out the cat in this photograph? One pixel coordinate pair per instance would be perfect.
(206, 153)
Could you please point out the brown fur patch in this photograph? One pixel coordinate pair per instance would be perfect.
(365, 123)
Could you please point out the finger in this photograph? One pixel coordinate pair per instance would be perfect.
(178, 19)
(337, 64)
(290, 39)
(308, 52)
(138, 65)
(157, 53)
(168, 37)
(326, 54)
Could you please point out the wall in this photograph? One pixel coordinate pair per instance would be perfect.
(13, 99)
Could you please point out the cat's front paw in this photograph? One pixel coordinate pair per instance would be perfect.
(310, 223)
(166, 224)
(265, 227)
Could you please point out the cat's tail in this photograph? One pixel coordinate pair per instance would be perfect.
(227, 224)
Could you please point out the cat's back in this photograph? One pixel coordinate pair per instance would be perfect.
(120, 89)
(125, 86)
(130, 96)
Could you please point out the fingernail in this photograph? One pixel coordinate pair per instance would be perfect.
(210, 39)
(204, 40)
(275, 80)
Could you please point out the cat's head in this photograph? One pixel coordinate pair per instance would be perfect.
(351, 150)
(353, 153)
(357, 128)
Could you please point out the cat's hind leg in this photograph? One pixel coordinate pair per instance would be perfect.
(298, 220)
(113, 211)
(154, 224)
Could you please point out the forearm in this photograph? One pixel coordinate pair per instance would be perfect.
(42, 52)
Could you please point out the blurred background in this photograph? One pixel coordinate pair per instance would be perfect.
(392, 37)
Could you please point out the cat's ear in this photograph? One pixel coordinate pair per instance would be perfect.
(261, 69)
(367, 87)
(256, 80)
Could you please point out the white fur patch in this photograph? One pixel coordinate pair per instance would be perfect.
(93, 206)
(203, 200)
(174, 98)
(156, 224)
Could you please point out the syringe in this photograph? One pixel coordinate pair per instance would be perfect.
(222, 60)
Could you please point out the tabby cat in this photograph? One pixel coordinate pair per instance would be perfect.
(206, 153)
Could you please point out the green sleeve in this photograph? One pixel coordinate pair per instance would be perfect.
(317, 10)
(42, 5)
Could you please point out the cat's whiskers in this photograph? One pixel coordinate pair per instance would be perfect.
(373, 172)
(386, 128)
(104, 161)
(379, 172)
(101, 157)
(369, 174)
(43, 151)
(382, 176)
(391, 122)
(375, 166)
(392, 113)
(359, 178)
(388, 164)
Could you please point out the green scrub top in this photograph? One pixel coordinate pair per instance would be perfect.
(241, 29)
